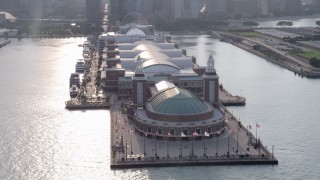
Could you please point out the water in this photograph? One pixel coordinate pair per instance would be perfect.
(39, 139)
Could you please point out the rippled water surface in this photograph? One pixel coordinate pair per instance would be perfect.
(39, 139)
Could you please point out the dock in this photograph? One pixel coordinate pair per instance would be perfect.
(91, 97)
(130, 149)
(228, 99)
(76, 104)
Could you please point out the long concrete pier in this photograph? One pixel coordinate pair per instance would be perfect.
(228, 99)
(235, 146)
(94, 98)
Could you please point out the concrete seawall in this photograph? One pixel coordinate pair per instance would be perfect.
(228, 99)
(285, 62)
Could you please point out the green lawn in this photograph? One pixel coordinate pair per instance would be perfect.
(307, 54)
(248, 34)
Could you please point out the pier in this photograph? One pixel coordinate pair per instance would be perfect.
(236, 145)
(227, 99)
(93, 104)
(90, 96)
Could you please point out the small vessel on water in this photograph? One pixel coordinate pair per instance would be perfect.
(74, 90)
(74, 80)
(80, 66)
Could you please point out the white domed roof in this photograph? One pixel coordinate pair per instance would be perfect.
(135, 31)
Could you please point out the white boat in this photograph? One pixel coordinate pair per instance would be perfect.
(80, 66)
(74, 91)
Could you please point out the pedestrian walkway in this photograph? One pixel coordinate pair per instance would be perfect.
(131, 149)
(228, 100)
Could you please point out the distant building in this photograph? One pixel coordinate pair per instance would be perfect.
(155, 9)
(184, 9)
(35, 8)
(293, 7)
(94, 10)
(276, 7)
(264, 8)
(242, 8)
(9, 5)
(216, 8)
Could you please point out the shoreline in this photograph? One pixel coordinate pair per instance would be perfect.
(283, 18)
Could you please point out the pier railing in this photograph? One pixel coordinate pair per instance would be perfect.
(237, 157)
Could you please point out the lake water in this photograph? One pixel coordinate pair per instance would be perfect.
(40, 139)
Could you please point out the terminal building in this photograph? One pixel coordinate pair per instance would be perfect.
(170, 95)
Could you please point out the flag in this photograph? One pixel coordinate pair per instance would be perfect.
(182, 134)
(257, 125)
(206, 134)
(195, 134)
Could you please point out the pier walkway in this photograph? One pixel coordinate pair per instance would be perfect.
(130, 149)
(229, 100)
(94, 97)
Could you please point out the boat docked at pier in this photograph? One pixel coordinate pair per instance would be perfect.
(74, 79)
(80, 66)
(74, 90)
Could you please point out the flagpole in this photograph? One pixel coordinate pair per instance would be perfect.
(131, 147)
(126, 149)
(144, 144)
(217, 144)
(168, 147)
(155, 147)
(181, 145)
(192, 145)
(237, 141)
(204, 145)
(256, 132)
(228, 142)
